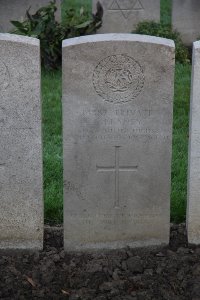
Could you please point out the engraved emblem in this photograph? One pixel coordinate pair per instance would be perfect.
(126, 7)
(118, 78)
(4, 76)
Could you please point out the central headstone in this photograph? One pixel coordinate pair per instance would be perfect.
(123, 15)
(117, 129)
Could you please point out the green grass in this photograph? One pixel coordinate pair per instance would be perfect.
(52, 146)
(77, 4)
(52, 136)
(180, 142)
(165, 11)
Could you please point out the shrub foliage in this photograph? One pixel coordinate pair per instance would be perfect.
(44, 26)
(165, 31)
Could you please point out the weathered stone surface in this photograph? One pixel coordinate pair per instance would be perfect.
(21, 205)
(122, 16)
(193, 205)
(15, 10)
(186, 19)
(117, 130)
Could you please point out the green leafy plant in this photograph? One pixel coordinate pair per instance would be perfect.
(77, 24)
(165, 31)
(44, 26)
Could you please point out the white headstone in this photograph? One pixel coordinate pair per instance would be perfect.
(122, 16)
(15, 10)
(117, 133)
(193, 205)
(21, 205)
(186, 19)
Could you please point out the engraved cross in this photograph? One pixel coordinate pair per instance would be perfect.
(117, 168)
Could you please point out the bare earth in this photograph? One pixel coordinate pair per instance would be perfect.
(166, 273)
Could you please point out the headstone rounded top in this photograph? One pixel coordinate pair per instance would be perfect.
(118, 37)
(19, 39)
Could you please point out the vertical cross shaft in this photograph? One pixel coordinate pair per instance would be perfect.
(117, 169)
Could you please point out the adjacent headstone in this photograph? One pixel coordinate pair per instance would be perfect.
(21, 205)
(122, 16)
(15, 10)
(117, 135)
(186, 19)
(193, 204)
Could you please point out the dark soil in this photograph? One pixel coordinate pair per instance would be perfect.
(168, 273)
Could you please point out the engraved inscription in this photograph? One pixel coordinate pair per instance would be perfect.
(126, 7)
(4, 76)
(117, 169)
(120, 123)
(118, 78)
(137, 219)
